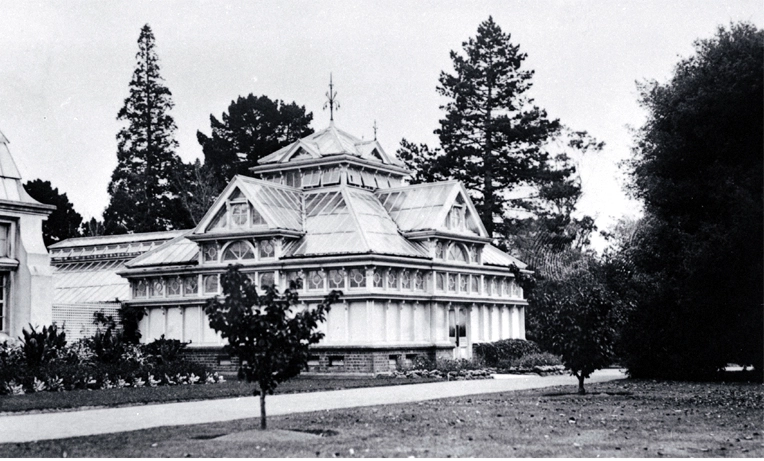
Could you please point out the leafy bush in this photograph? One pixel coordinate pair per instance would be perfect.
(164, 350)
(107, 346)
(42, 346)
(505, 350)
(536, 360)
(447, 365)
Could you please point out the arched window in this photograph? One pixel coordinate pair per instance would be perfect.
(457, 252)
(238, 251)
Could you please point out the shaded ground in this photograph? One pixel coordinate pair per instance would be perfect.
(133, 396)
(617, 419)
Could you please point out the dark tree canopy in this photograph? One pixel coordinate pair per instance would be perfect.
(64, 222)
(267, 330)
(698, 169)
(253, 127)
(144, 196)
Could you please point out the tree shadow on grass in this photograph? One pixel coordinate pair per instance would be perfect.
(595, 393)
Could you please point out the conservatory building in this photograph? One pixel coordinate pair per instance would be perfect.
(418, 272)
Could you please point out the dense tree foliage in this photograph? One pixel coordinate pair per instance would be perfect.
(697, 256)
(578, 318)
(266, 331)
(199, 187)
(64, 222)
(253, 127)
(144, 196)
(512, 158)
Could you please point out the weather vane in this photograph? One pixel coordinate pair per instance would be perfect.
(332, 102)
(375, 130)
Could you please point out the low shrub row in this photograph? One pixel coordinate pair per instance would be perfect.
(504, 351)
(43, 361)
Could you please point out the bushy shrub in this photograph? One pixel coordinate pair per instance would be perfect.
(536, 360)
(504, 350)
(447, 365)
(42, 346)
(107, 346)
(164, 350)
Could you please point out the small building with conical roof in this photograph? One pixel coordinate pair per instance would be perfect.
(26, 285)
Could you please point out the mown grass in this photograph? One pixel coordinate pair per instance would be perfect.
(627, 418)
(144, 395)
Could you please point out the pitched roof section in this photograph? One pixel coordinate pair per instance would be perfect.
(117, 239)
(11, 188)
(348, 221)
(178, 251)
(89, 282)
(279, 205)
(426, 206)
(331, 141)
(493, 256)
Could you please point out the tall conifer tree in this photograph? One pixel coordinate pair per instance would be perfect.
(144, 197)
(492, 135)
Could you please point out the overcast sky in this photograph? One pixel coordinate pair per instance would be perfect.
(65, 68)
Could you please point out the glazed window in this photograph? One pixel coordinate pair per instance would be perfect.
(405, 280)
(336, 278)
(452, 282)
(315, 280)
(5, 241)
(488, 286)
(441, 281)
(440, 251)
(392, 279)
(266, 249)
(238, 251)
(357, 278)
(267, 279)
(418, 281)
(475, 284)
(140, 289)
(190, 285)
(210, 252)
(457, 253)
(455, 220)
(173, 286)
(239, 214)
(294, 277)
(156, 288)
(464, 283)
(378, 279)
(211, 284)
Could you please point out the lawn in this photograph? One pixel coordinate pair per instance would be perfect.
(617, 419)
(136, 396)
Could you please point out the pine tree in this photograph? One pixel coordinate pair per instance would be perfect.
(492, 134)
(253, 127)
(144, 197)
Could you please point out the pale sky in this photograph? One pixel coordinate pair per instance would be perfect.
(65, 68)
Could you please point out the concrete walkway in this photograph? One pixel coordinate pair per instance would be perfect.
(43, 426)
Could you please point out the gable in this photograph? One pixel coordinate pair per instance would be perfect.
(248, 203)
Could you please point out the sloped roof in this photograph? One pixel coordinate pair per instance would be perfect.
(10, 180)
(89, 282)
(417, 207)
(179, 250)
(332, 141)
(117, 239)
(279, 205)
(349, 221)
(493, 256)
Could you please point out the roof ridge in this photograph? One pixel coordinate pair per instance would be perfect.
(344, 190)
(161, 247)
(267, 183)
(418, 186)
(113, 237)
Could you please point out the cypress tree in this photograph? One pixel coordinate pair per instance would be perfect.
(144, 197)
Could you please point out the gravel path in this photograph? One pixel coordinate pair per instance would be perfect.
(31, 427)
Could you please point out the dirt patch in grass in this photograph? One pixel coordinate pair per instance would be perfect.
(59, 401)
(618, 419)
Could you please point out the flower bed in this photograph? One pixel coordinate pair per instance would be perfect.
(43, 361)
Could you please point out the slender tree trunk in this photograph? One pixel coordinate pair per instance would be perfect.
(488, 163)
(581, 389)
(262, 410)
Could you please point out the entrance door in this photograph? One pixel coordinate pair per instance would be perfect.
(457, 333)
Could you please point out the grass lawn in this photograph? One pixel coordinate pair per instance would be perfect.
(134, 396)
(618, 419)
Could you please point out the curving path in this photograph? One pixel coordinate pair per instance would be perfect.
(43, 426)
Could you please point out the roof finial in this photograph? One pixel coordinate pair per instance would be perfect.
(375, 130)
(332, 102)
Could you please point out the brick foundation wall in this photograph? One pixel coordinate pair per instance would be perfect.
(330, 360)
